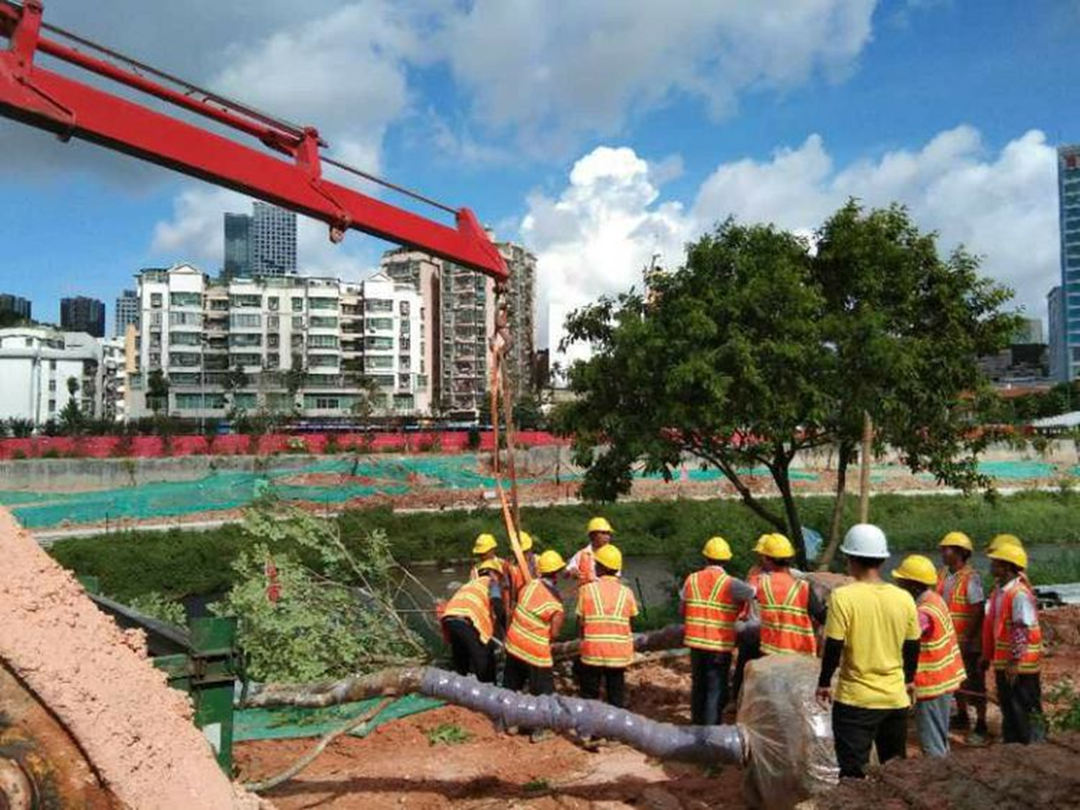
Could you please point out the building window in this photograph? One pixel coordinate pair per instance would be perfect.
(273, 341)
(180, 339)
(298, 305)
(243, 339)
(52, 406)
(245, 301)
(155, 319)
(185, 299)
(403, 380)
(155, 300)
(403, 308)
(323, 341)
(383, 343)
(246, 320)
(298, 322)
(52, 385)
(273, 322)
(52, 365)
(380, 324)
(371, 363)
(273, 360)
(403, 402)
(155, 360)
(378, 305)
(323, 322)
(324, 360)
(297, 341)
(185, 318)
(322, 303)
(272, 303)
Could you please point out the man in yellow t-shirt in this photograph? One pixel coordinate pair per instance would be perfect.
(872, 636)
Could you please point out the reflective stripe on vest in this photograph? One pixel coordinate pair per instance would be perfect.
(529, 635)
(1003, 629)
(709, 618)
(941, 669)
(473, 602)
(605, 610)
(785, 616)
(962, 611)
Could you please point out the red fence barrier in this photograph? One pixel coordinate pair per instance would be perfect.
(239, 444)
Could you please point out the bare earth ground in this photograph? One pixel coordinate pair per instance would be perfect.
(397, 767)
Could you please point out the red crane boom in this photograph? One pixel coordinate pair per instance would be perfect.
(45, 99)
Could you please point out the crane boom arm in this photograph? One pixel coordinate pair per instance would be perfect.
(48, 100)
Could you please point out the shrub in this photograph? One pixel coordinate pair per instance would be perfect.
(19, 454)
(447, 734)
(159, 606)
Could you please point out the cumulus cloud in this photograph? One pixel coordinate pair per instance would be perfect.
(602, 229)
(552, 70)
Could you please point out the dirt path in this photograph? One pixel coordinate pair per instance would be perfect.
(398, 767)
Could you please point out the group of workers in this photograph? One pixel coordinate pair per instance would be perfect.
(920, 644)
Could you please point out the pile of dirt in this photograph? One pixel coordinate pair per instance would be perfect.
(135, 731)
(1005, 777)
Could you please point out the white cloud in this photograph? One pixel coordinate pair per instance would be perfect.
(602, 229)
(553, 70)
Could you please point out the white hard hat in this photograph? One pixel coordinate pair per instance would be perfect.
(865, 540)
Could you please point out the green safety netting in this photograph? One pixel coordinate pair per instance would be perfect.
(291, 722)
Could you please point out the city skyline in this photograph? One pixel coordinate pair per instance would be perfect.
(607, 160)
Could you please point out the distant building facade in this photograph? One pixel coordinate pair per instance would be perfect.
(36, 363)
(81, 314)
(17, 306)
(1055, 305)
(306, 345)
(126, 313)
(1069, 221)
(237, 246)
(273, 241)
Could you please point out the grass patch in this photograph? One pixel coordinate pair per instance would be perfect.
(180, 562)
(1064, 567)
(536, 786)
(447, 734)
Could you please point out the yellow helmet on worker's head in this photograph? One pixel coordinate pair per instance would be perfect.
(484, 543)
(716, 548)
(599, 524)
(778, 547)
(525, 540)
(957, 540)
(917, 568)
(1010, 554)
(762, 541)
(490, 565)
(1000, 540)
(549, 562)
(609, 557)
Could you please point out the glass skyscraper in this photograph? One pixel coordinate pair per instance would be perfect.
(1068, 336)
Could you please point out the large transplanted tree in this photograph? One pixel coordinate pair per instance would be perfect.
(765, 345)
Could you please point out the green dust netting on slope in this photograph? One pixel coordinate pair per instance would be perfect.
(290, 722)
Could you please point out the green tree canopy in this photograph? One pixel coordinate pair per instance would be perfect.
(766, 344)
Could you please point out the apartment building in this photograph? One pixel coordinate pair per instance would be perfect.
(286, 344)
(36, 363)
(521, 303)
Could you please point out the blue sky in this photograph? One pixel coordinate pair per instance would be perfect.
(596, 133)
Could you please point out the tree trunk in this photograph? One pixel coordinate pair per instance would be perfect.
(791, 512)
(842, 461)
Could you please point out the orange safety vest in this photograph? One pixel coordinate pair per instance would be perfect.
(962, 611)
(586, 568)
(529, 635)
(785, 614)
(941, 669)
(605, 608)
(709, 611)
(473, 602)
(1003, 629)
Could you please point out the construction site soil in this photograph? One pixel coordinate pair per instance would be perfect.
(397, 766)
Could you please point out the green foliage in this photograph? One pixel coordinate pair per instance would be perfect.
(758, 349)
(329, 619)
(1064, 567)
(159, 606)
(157, 390)
(536, 786)
(1064, 703)
(447, 734)
(21, 428)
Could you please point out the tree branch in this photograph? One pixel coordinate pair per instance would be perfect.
(733, 476)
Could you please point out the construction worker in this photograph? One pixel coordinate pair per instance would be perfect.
(515, 576)
(536, 621)
(960, 585)
(473, 617)
(941, 668)
(484, 548)
(749, 641)
(581, 564)
(604, 610)
(1012, 644)
(872, 638)
(710, 603)
(788, 606)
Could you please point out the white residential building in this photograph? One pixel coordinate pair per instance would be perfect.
(36, 363)
(303, 344)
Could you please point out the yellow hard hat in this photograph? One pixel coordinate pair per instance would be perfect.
(599, 524)
(1000, 540)
(1011, 554)
(759, 546)
(778, 546)
(609, 557)
(550, 561)
(525, 540)
(716, 548)
(484, 543)
(490, 565)
(917, 568)
(958, 540)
